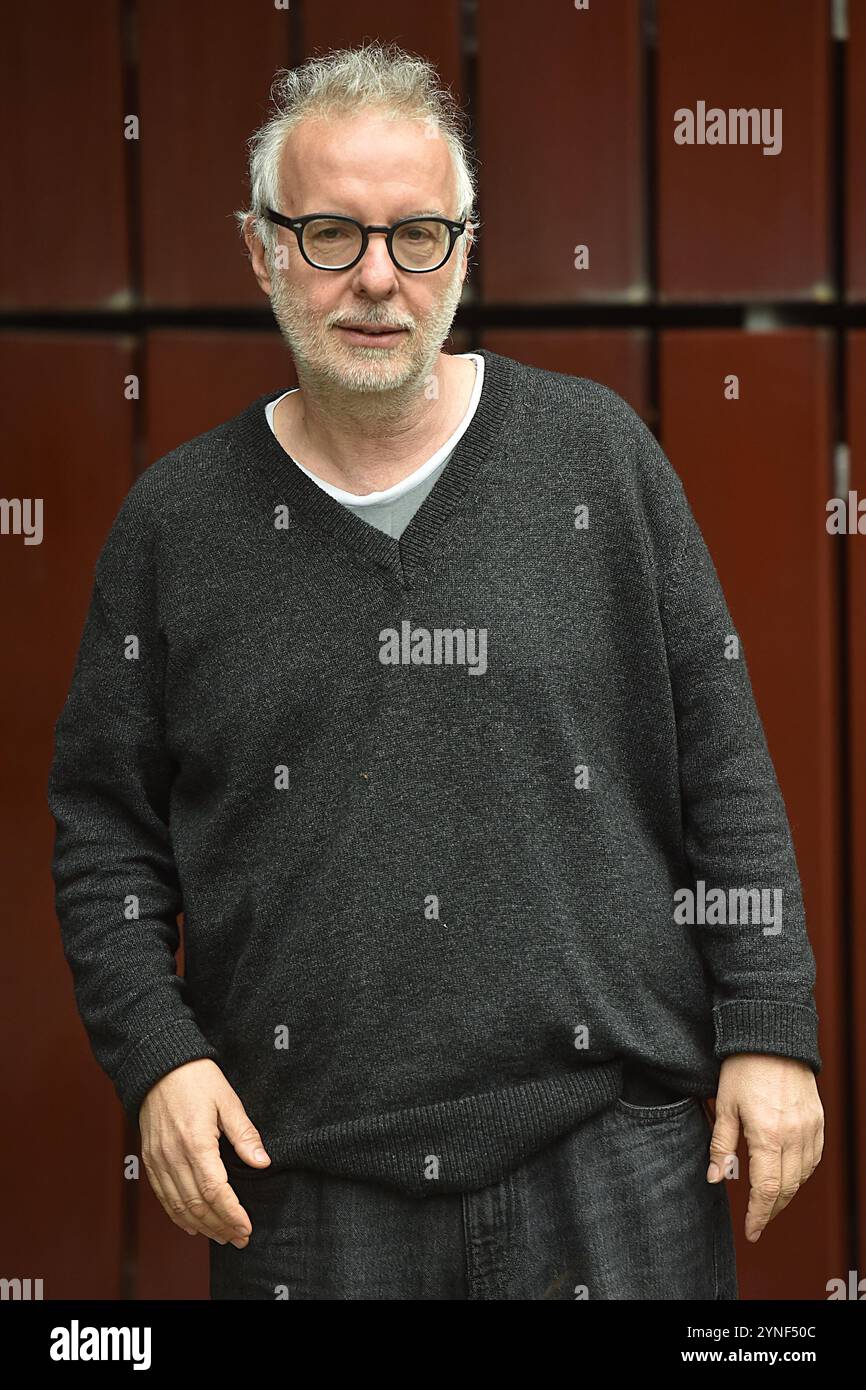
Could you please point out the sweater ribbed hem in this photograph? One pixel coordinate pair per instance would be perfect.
(453, 1146)
(767, 1025)
(153, 1057)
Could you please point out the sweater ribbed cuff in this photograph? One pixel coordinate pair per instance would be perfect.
(155, 1056)
(767, 1025)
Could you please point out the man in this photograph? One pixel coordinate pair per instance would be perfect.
(414, 689)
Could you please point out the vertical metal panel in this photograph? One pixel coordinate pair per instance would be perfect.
(63, 237)
(193, 380)
(204, 74)
(856, 556)
(560, 136)
(855, 151)
(67, 441)
(734, 222)
(757, 473)
(618, 358)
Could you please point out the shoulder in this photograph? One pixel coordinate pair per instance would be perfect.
(182, 488)
(193, 473)
(580, 417)
(584, 403)
(597, 445)
(570, 399)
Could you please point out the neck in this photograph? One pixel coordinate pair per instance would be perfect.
(368, 441)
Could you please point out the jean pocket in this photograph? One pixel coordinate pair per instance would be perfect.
(647, 1114)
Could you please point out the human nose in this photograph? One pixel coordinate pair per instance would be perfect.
(376, 272)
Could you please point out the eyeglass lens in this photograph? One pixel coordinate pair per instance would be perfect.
(418, 245)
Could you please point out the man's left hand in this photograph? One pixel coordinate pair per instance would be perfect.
(776, 1100)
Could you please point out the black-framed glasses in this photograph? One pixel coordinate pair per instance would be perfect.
(329, 241)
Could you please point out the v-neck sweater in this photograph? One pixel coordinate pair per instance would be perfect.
(430, 806)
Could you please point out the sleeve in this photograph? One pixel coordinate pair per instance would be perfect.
(735, 827)
(117, 893)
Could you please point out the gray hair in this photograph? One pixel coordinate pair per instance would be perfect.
(373, 76)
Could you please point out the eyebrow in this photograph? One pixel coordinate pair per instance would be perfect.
(417, 212)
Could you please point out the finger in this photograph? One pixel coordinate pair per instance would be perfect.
(723, 1145)
(819, 1138)
(809, 1161)
(157, 1179)
(196, 1207)
(176, 1204)
(224, 1213)
(183, 1198)
(765, 1183)
(793, 1163)
(816, 1146)
(240, 1131)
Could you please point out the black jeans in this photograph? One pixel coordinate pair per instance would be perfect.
(618, 1208)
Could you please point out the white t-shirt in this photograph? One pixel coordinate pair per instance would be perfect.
(378, 508)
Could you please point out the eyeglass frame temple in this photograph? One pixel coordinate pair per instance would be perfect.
(297, 224)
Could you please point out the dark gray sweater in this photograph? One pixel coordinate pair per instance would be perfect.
(425, 804)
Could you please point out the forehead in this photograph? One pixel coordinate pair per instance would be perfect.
(370, 161)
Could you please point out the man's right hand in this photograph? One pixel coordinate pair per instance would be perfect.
(181, 1118)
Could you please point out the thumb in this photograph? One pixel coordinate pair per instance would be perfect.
(240, 1131)
(723, 1144)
